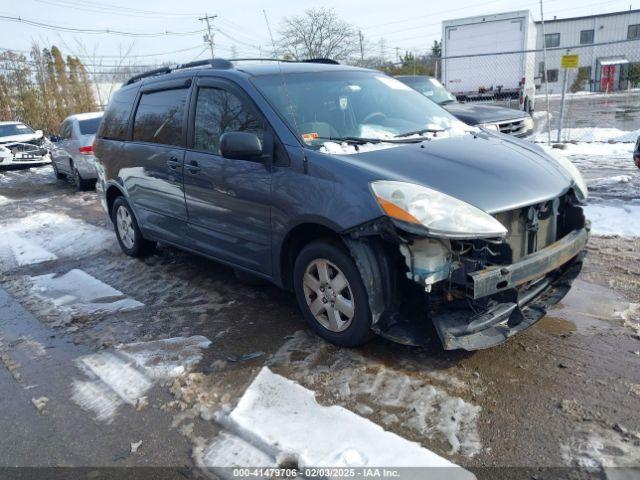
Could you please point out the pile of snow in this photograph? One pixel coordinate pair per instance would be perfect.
(615, 219)
(124, 375)
(584, 93)
(39, 175)
(46, 236)
(77, 291)
(607, 153)
(417, 404)
(609, 181)
(285, 419)
(588, 134)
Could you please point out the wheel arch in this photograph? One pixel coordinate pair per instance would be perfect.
(296, 238)
(112, 192)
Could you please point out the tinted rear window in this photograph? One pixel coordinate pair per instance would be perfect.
(115, 119)
(159, 117)
(89, 126)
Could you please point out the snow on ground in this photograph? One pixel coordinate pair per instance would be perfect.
(46, 236)
(621, 220)
(125, 374)
(78, 292)
(613, 206)
(614, 451)
(35, 175)
(4, 200)
(418, 404)
(605, 135)
(285, 419)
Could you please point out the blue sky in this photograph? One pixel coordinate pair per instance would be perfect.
(403, 24)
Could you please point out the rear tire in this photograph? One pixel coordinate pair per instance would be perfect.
(327, 281)
(82, 185)
(127, 231)
(56, 172)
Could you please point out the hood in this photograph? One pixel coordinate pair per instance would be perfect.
(474, 114)
(488, 171)
(27, 137)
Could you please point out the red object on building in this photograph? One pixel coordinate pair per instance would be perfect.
(607, 82)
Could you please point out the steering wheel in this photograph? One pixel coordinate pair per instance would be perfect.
(374, 115)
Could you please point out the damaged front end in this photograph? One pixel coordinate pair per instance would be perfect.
(25, 153)
(473, 293)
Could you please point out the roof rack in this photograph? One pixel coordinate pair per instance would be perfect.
(310, 60)
(212, 62)
(328, 61)
(221, 63)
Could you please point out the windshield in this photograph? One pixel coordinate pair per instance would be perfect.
(431, 88)
(89, 126)
(14, 129)
(351, 105)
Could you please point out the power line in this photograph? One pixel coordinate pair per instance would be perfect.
(114, 9)
(158, 54)
(47, 26)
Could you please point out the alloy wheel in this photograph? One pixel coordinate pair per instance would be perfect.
(328, 295)
(124, 223)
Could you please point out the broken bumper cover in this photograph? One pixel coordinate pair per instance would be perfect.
(517, 308)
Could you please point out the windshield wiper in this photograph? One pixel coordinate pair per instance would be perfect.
(447, 101)
(353, 140)
(363, 141)
(419, 132)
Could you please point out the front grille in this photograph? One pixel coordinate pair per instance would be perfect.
(513, 127)
(531, 228)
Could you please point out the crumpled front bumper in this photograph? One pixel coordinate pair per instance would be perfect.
(513, 307)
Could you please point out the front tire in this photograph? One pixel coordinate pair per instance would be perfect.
(127, 231)
(331, 294)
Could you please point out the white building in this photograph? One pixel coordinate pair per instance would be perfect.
(608, 46)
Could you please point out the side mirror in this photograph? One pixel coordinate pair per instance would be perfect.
(240, 146)
(54, 138)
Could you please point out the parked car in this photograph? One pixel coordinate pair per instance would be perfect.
(377, 207)
(20, 145)
(636, 153)
(501, 119)
(73, 149)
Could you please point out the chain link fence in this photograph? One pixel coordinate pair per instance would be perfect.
(602, 99)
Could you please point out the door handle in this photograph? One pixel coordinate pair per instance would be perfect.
(193, 167)
(173, 163)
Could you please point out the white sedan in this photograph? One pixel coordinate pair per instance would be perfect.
(21, 145)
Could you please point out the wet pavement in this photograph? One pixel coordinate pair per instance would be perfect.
(84, 385)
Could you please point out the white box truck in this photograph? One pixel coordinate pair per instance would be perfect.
(490, 57)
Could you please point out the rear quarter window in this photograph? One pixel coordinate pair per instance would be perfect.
(115, 120)
(159, 117)
(89, 126)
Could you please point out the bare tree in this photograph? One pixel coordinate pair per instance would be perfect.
(318, 33)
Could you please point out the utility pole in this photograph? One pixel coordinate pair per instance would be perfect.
(209, 37)
(361, 39)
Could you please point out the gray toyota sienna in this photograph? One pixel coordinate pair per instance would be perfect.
(382, 212)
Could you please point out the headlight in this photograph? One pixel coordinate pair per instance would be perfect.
(581, 186)
(490, 126)
(440, 214)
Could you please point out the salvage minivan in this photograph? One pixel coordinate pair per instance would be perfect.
(382, 212)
